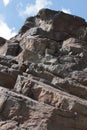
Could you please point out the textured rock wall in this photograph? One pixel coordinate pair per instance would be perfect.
(43, 74)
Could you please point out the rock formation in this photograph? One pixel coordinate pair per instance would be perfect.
(43, 74)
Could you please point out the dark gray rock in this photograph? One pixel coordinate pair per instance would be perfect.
(8, 77)
(67, 23)
(7, 61)
(13, 49)
(2, 41)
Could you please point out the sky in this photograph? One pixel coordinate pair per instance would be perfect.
(13, 13)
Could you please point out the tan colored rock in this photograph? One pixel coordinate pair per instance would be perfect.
(19, 112)
(35, 48)
(8, 77)
(71, 86)
(25, 113)
(73, 45)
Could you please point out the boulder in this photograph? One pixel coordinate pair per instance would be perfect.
(73, 45)
(8, 77)
(2, 41)
(69, 23)
(7, 61)
(13, 49)
(3, 46)
(35, 48)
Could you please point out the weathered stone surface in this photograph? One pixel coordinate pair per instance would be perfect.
(68, 23)
(35, 48)
(13, 49)
(71, 85)
(74, 46)
(8, 76)
(7, 61)
(20, 112)
(43, 74)
(34, 115)
(2, 41)
(3, 46)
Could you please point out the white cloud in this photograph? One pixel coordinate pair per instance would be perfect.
(66, 11)
(34, 8)
(6, 2)
(5, 31)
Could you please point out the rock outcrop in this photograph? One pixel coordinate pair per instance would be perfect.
(43, 74)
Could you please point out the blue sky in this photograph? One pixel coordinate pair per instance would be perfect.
(14, 12)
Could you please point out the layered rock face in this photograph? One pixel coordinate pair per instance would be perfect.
(43, 74)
